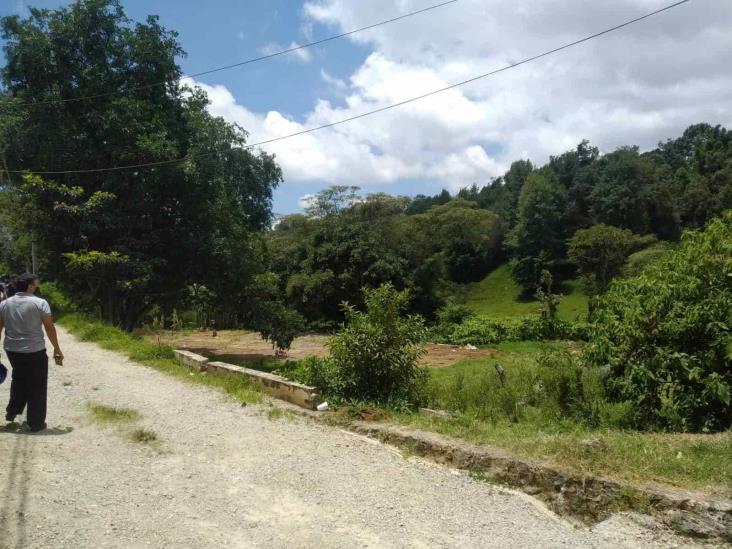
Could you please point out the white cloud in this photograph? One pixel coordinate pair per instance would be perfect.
(336, 83)
(302, 55)
(638, 86)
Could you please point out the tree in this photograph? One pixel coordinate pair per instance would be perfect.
(624, 189)
(466, 237)
(173, 223)
(539, 234)
(600, 253)
(331, 201)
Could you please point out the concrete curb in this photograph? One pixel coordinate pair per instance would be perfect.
(275, 386)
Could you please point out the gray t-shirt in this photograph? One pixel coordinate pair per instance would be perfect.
(23, 327)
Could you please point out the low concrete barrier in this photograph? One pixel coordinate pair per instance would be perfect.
(276, 386)
(273, 385)
(191, 360)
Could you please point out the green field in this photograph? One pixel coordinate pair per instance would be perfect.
(498, 296)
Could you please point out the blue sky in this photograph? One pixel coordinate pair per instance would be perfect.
(639, 86)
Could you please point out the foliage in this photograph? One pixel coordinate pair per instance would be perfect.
(59, 300)
(375, 357)
(454, 313)
(141, 235)
(600, 253)
(201, 299)
(549, 301)
(280, 325)
(482, 330)
(666, 335)
(537, 239)
(639, 260)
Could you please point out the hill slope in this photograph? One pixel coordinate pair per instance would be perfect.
(498, 296)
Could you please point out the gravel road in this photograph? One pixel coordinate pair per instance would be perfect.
(221, 475)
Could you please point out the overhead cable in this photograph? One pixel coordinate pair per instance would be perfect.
(233, 65)
(382, 109)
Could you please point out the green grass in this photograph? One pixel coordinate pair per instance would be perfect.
(159, 357)
(504, 416)
(106, 414)
(498, 296)
(698, 462)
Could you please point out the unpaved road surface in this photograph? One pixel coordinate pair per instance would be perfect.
(221, 475)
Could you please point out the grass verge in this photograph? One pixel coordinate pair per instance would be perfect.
(695, 462)
(159, 357)
(501, 414)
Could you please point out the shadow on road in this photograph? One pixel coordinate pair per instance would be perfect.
(15, 493)
(53, 431)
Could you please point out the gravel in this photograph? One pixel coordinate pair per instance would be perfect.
(222, 475)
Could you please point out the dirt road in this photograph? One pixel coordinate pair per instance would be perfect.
(225, 476)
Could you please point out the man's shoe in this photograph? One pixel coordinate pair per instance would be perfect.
(41, 427)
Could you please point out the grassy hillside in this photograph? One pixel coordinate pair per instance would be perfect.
(497, 295)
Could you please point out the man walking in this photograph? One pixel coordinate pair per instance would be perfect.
(22, 317)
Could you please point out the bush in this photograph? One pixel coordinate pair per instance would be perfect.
(666, 335)
(57, 299)
(480, 330)
(640, 260)
(454, 313)
(375, 356)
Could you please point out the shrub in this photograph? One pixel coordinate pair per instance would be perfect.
(57, 299)
(454, 313)
(640, 260)
(480, 330)
(375, 356)
(666, 335)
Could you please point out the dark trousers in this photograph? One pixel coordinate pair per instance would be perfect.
(28, 387)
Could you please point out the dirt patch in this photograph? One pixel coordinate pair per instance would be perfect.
(440, 355)
(239, 345)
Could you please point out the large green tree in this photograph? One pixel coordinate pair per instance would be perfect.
(538, 238)
(82, 83)
(600, 253)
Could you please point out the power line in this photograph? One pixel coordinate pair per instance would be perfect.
(239, 64)
(382, 109)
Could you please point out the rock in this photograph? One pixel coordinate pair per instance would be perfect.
(696, 525)
(593, 443)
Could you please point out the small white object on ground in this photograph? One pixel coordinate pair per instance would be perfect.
(322, 407)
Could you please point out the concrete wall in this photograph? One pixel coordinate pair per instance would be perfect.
(273, 385)
(191, 360)
(276, 386)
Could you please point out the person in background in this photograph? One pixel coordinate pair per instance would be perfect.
(23, 316)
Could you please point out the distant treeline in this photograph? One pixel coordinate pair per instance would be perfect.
(582, 213)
